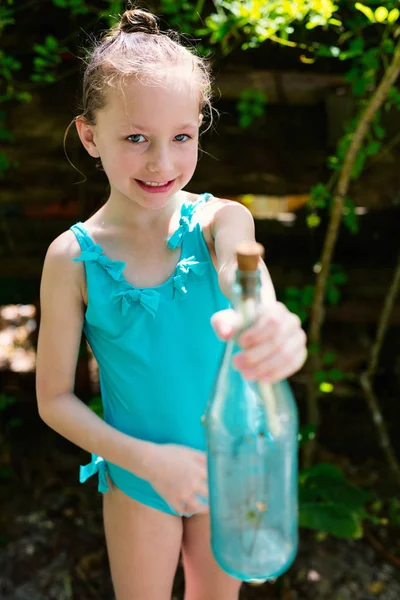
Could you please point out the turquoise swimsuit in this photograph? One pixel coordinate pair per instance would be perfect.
(156, 350)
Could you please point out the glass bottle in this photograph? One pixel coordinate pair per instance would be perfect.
(252, 446)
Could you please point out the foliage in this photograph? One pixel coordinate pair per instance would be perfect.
(299, 300)
(46, 60)
(252, 22)
(330, 504)
(251, 107)
(96, 405)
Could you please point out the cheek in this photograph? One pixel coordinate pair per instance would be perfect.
(120, 160)
(189, 160)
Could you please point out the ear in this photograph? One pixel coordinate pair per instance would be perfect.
(86, 134)
(201, 118)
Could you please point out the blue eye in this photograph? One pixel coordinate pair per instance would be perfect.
(181, 135)
(134, 138)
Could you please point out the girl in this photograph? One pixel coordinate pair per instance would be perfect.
(144, 276)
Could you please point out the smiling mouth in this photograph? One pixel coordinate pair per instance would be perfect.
(155, 186)
(155, 183)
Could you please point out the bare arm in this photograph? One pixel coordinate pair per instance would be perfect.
(62, 313)
(233, 223)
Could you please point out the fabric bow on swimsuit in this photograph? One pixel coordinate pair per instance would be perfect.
(184, 224)
(183, 269)
(96, 465)
(95, 254)
(148, 299)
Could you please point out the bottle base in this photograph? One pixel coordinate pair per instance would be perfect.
(274, 556)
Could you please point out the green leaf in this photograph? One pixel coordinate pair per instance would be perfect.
(336, 375)
(388, 46)
(325, 482)
(96, 405)
(326, 387)
(381, 14)
(292, 292)
(350, 219)
(43, 50)
(332, 294)
(379, 131)
(335, 520)
(329, 358)
(307, 295)
(320, 470)
(393, 15)
(313, 221)
(372, 148)
(51, 42)
(366, 11)
(358, 164)
(41, 62)
(320, 376)
(338, 278)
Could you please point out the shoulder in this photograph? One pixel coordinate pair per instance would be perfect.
(217, 210)
(64, 248)
(59, 267)
(223, 212)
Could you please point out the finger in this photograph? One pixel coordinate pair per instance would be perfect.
(225, 323)
(287, 370)
(201, 458)
(280, 367)
(266, 348)
(268, 326)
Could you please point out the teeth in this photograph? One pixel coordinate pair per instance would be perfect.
(155, 184)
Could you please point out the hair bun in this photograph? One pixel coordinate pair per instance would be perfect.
(139, 21)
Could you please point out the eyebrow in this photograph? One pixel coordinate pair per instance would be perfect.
(141, 128)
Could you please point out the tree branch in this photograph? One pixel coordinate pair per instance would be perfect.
(367, 377)
(317, 309)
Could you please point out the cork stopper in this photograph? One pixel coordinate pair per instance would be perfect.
(248, 255)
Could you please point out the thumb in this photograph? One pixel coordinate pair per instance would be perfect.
(225, 323)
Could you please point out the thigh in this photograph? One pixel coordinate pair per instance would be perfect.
(143, 546)
(204, 579)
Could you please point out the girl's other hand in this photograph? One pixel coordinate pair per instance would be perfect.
(179, 475)
(273, 348)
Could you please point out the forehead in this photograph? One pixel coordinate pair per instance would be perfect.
(161, 104)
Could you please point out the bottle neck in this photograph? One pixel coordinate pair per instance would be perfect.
(246, 296)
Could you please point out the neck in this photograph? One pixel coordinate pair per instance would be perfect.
(120, 210)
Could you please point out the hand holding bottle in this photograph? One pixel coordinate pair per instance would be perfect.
(179, 475)
(273, 348)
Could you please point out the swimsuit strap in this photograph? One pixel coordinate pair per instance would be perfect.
(185, 221)
(84, 239)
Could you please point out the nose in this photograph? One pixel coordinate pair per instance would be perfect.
(159, 160)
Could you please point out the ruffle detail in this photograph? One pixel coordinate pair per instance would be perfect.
(176, 238)
(184, 267)
(96, 465)
(148, 299)
(95, 254)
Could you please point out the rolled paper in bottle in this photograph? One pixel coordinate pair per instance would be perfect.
(248, 255)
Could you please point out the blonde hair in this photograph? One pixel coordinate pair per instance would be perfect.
(136, 47)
